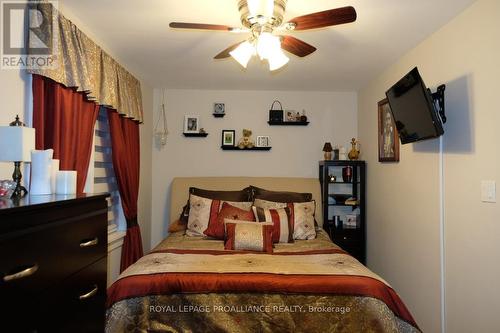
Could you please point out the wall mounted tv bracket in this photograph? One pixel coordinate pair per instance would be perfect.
(438, 97)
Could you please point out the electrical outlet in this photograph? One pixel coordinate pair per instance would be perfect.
(488, 191)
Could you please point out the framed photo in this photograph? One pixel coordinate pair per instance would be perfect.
(219, 108)
(388, 138)
(263, 141)
(291, 115)
(191, 124)
(228, 138)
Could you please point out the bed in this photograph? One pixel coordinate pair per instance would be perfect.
(191, 284)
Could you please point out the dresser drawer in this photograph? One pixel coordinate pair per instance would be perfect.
(54, 252)
(75, 305)
(84, 299)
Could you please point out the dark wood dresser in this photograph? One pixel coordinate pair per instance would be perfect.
(53, 262)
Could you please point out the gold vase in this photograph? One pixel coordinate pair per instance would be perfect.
(354, 153)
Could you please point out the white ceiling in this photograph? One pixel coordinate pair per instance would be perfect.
(348, 56)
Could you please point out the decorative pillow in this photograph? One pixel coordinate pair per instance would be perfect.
(303, 216)
(216, 226)
(202, 210)
(280, 196)
(238, 196)
(249, 236)
(282, 220)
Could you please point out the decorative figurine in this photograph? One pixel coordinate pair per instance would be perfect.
(303, 118)
(354, 153)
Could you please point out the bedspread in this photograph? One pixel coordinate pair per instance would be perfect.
(306, 287)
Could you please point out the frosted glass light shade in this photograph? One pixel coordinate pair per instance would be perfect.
(267, 45)
(243, 53)
(16, 143)
(277, 60)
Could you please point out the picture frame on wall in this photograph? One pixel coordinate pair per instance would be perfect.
(219, 108)
(191, 124)
(228, 138)
(388, 138)
(291, 116)
(263, 141)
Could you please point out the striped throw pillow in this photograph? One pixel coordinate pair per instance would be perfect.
(282, 220)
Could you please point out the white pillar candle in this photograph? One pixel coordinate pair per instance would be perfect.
(66, 182)
(55, 168)
(41, 171)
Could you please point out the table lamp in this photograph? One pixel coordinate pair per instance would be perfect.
(16, 143)
(327, 148)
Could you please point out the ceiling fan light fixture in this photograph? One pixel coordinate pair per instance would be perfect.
(243, 53)
(267, 45)
(277, 60)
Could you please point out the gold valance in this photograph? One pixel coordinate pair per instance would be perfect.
(82, 64)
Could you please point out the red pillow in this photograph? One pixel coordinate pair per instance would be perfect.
(249, 236)
(216, 226)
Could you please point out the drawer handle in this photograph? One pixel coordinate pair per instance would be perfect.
(91, 242)
(89, 294)
(345, 238)
(21, 274)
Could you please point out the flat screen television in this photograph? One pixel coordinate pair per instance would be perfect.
(414, 110)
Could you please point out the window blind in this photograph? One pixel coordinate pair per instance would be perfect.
(104, 176)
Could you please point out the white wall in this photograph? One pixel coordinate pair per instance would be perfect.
(404, 198)
(295, 151)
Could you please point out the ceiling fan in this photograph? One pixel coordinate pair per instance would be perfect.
(263, 19)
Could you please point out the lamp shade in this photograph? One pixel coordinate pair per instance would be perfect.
(327, 147)
(16, 143)
(243, 53)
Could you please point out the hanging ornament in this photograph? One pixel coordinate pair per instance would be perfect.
(161, 130)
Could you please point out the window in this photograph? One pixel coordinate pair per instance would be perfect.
(101, 177)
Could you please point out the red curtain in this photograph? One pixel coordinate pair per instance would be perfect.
(126, 163)
(64, 121)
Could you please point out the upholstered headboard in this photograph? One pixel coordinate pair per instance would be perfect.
(180, 189)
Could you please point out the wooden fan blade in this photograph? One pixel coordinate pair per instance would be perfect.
(225, 54)
(200, 26)
(296, 46)
(325, 19)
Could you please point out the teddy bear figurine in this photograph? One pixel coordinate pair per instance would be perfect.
(246, 141)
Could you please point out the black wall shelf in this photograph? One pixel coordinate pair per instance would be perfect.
(218, 115)
(288, 123)
(195, 135)
(245, 149)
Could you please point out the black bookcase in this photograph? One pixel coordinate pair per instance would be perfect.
(344, 198)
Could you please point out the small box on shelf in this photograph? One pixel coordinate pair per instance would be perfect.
(351, 221)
